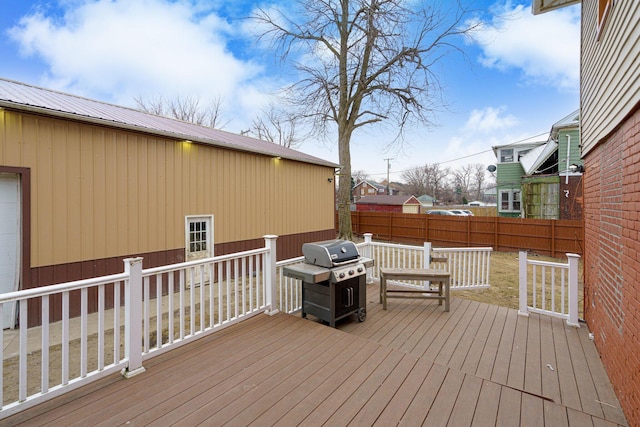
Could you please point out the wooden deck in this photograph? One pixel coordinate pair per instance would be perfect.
(412, 364)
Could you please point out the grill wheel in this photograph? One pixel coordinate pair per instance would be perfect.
(362, 314)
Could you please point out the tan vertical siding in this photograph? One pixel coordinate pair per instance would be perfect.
(610, 77)
(99, 192)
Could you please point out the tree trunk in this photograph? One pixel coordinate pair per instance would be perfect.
(345, 230)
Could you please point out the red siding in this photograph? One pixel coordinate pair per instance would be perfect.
(612, 259)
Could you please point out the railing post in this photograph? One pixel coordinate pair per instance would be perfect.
(522, 284)
(426, 262)
(367, 253)
(270, 274)
(133, 317)
(367, 245)
(426, 256)
(573, 290)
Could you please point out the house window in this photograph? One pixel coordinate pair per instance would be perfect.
(198, 236)
(510, 200)
(506, 155)
(515, 205)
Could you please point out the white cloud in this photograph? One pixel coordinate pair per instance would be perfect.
(489, 119)
(119, 49)
(546, 48)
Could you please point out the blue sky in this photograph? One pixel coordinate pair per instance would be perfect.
(519, 75)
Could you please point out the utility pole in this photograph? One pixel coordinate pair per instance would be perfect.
(388, 168)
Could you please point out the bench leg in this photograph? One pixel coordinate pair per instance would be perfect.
(383, 292)
(446, 295)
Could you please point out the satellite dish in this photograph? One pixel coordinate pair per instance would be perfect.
(491, 168)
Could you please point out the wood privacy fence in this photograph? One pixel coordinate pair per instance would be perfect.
(545, 237)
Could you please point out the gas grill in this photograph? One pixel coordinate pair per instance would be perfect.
(333, 279)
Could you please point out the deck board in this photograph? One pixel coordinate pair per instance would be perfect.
(533, 363)
(410, 364)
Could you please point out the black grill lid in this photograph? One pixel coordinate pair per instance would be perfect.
(330, 253)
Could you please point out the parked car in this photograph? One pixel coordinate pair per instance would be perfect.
(458, 212)
(468, 212)
(439, 212)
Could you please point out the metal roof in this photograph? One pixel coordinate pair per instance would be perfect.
(21, 96)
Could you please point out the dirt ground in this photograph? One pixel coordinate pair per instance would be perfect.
(503, 292)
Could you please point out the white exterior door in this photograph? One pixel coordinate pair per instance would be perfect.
(199, 245)
(9, 242)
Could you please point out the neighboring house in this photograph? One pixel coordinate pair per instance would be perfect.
(403, 204)
(427, 202)
(84, 184)
(509, 173)
(610, 140)
(369, 188)
(541, 179)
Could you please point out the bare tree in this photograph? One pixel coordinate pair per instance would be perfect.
(437, 180)
(480, 176)
(279, 126)
(416, 181)
(186, 108)
(359, 176)
(463, 179)
(364, 62)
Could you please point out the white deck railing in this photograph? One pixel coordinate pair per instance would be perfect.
(469, 267)
(113, 323)
(155, 310)
(549, 288)
(289, 289)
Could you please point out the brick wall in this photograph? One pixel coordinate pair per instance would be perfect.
(571, 198)
(612, 258)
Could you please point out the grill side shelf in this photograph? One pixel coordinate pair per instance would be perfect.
(307, 272)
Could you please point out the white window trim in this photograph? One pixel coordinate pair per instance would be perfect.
(513, 155)
(510, 192)
(209, 253)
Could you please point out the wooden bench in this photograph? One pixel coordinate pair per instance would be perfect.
(434, 275)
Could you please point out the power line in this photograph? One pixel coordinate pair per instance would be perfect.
(461, 158)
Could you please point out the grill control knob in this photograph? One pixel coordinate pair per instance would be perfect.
(341, 275)
(351, 272)
(360, 269)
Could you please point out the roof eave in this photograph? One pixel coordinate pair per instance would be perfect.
(543, 6)
(173, 135)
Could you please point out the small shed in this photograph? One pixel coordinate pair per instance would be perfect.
(402, 204)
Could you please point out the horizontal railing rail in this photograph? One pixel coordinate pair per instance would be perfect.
(549, 288)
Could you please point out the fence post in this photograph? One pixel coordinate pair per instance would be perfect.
(522, 284)
(573, 290)
(270, 274)
(133, 317)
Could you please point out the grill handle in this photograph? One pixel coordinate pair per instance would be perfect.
(349, 261)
